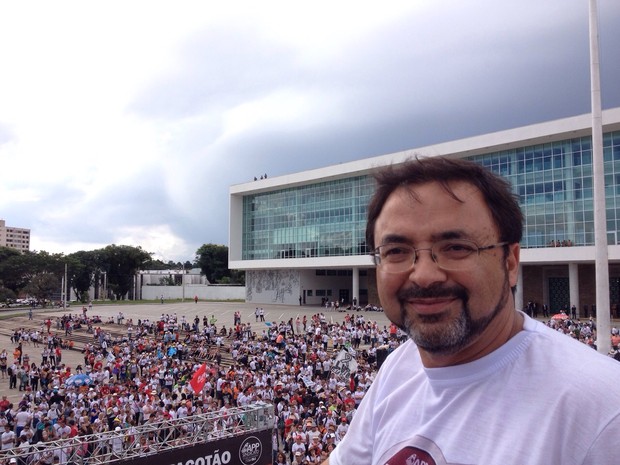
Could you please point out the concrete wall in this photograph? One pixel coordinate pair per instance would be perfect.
(203, 291)
(273, 286)
(154, 279)
(285, 286)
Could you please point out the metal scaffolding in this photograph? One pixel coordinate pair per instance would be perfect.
(147, 439)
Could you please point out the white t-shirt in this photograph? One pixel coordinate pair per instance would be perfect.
(8, 440)
(22, 418)
(541, 398)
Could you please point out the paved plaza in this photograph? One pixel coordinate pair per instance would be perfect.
(223, 312)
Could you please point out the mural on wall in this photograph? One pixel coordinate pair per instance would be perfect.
(279, 284)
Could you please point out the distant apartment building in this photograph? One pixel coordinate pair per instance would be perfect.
(15, 238)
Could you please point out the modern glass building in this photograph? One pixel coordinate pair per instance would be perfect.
(300, 237)
(325, 219)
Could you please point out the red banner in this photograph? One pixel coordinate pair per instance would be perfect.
(199, 379)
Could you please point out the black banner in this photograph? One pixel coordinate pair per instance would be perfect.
(249, 449)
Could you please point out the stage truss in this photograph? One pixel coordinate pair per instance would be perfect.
(147, 439)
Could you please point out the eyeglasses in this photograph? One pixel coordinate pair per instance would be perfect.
(449, 254)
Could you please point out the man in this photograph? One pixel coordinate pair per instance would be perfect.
(116, 442)
(298, 446)
(22, 419)
(61, 428)
(7, 440)
(478, 381)
(12, 372)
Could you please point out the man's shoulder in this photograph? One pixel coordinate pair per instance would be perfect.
(557, 344)
(570, 359)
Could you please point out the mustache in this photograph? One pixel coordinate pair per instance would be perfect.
(433, 292)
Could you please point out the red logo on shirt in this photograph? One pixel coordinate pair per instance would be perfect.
(417, 450)
(411, 456)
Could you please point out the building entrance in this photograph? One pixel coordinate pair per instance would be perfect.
(614, 296)
(559, 295)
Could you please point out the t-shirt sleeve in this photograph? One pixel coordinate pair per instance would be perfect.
(604, 449)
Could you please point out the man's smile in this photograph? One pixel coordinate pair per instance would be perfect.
(429, 306)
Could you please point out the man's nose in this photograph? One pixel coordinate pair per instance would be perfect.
(426, 271)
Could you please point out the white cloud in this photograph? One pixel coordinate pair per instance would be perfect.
(158, 239)
(127, 122)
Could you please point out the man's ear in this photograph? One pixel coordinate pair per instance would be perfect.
(512, 263)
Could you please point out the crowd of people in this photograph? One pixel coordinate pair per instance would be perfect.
(562, 243)
(141, 373)
(585, 331)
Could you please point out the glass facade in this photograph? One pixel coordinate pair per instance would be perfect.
(555, 188)
(553, 181)
(318, 220)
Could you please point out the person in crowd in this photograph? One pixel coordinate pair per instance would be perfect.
(286, 364)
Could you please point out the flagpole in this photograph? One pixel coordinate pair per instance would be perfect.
(601, 261)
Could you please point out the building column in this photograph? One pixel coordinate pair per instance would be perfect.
(356, 285)
(519, 292)
(573, 285)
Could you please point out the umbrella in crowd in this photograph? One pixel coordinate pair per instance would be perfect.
(560, 316)
(80, 379)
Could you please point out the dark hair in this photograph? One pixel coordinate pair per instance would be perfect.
(496, 191)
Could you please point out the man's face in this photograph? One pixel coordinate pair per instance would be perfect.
(450, 315)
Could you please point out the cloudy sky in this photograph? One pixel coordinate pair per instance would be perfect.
(126, 122)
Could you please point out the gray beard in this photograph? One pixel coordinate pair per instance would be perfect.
(449, 337)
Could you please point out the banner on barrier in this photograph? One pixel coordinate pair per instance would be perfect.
(247, 449)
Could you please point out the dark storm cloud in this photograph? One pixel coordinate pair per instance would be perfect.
(241, 101)
(407, 87)
(452, 74)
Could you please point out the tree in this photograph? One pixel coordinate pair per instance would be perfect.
(213, 261)
(12, 269)
(156, 265)
(18, 269)
(82, 268)
(121, 262)
(6, 294)
(38, 266)
(7, 252)
(43, 286)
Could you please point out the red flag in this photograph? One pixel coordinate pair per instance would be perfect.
(199, 379)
